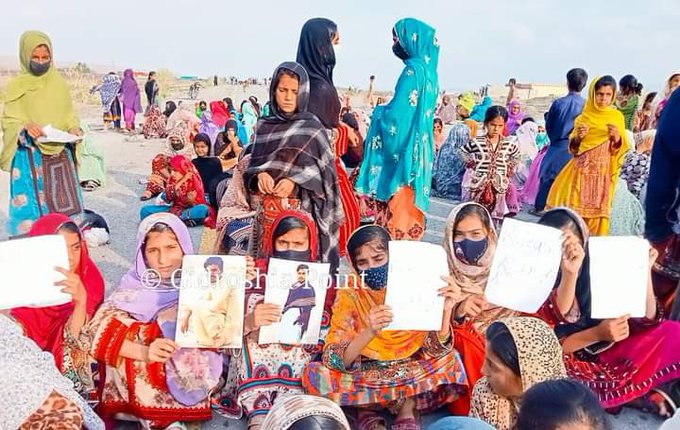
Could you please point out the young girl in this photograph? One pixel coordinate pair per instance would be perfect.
(470, 241)
(521, 352)
(57, 328)
(146, 377)
(491, 162)
(184, 193)
(406, 372)
(620, 359)
(599, 144)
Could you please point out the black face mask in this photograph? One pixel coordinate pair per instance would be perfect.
(303, 256)
(39, 69)
(399, 51)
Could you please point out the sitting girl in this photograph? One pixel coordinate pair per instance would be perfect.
(260, 375)
(57, 328)
(407, 372)
(184, 194)
(521, 352)
(620, 359)
(146, 377)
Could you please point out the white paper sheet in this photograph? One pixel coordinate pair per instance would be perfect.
(211, 304)
(282, 275)
(525, 266)
(414, 278)
(27, 271)
(54, 135)
(619, 270)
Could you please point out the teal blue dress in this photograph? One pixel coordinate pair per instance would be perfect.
(399, 147)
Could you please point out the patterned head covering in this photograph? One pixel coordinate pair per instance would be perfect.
(291, 409)
(540, 359)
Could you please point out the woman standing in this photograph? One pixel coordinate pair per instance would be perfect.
(515, 117)
(249, 120)
(132, 102)
(44, 178)
(491, 160)
(109, 89)
(397, 166)
(628, 99)
(599, 144)
(292, 161)
(316, 53)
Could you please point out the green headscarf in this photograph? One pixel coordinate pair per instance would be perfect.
(35, 99)
(629, 111)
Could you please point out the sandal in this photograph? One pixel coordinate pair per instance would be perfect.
(89, 186)
(406, 424)
(146, 196)
(177, 425)
(371, 420)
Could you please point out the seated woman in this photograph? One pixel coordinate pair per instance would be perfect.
(560, 404)
(635, 170)
(34, 394)
(406, 372)
(184, 194)
(621, 359)
(448, 169)
(628, 215)
(470, 241)
(154, 124)
(183, 117)
(237, 212)
(228, 145)
(521, 352)
(292, 160)
(57, 328)
(261, 374)
(305, 413)
(209, 128)
(209, 167)
(146, 376)
(160, 167)
(170, 108)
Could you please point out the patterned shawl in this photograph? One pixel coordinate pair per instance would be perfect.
(291, 409)
(109, 90)
(540, 359)
(472, 279)
(297, 148)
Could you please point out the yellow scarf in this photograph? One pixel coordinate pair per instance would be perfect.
(350, 317)
(597, 120)
(35, 99)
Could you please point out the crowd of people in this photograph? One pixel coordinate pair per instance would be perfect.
(295, 179)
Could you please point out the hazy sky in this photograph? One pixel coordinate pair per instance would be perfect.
(483, 41)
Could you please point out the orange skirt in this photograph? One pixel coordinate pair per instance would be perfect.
(401, 217)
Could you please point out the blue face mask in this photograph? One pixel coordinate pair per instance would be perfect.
(470, 251)
(376, 278)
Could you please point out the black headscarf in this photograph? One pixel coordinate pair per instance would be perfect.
(316, 54)
(583, 296)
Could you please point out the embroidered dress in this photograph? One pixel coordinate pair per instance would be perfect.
(42, 184)
(393, 367)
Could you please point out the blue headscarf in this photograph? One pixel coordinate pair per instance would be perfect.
(479, 112)
(400, 142)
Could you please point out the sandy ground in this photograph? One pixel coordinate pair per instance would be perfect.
(128, 161)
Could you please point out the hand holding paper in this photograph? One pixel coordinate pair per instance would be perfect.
(414, 285)
(619, 270)
(54, 135)
(525, 266)
(28, 271)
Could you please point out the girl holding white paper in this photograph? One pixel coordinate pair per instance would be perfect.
(624, 359)
(147, 377)
(56, 329)
(406, 372)
(260, 374)
(470, 241)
